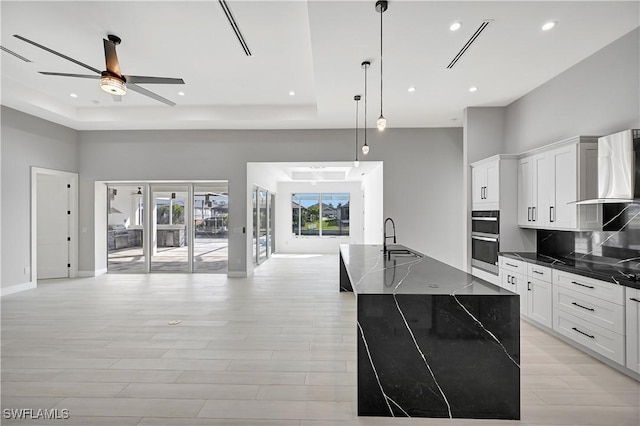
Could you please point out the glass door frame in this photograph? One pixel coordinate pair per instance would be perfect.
(269, 236)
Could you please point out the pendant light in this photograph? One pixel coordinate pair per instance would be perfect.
(381, 6)
(365, 148)
(356, 98)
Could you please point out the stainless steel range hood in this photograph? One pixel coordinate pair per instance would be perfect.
(618, 168)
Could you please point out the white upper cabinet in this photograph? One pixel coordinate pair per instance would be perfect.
(485, 184)
(562, 188)
(493, 185)
(552, 179)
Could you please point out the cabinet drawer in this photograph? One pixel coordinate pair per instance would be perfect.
(600, 312)
(596, 288)
(600, 340)
(513, 265)
(542, 273)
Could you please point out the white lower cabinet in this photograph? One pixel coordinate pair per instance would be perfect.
(539, 301)
(598, 339)
(516, 283)
(513, 277)
(599, 315)
(633, 329)
(590, 312)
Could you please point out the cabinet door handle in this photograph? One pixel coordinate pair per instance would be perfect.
(551, 219)
(582, 285)
(513, 280)
(538, 272)
(529, 214)
(485, 192)
(508, 279)
(529, 285)
(583, 307)
(482, 192)
(582, 332)
(634, 299)
(513, 266)
(533, 214)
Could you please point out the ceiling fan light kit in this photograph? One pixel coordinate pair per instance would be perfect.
(113, 84)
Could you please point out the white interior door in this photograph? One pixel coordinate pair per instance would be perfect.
(52, 226)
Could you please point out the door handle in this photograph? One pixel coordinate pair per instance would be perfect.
(634, 299)
(529, 214)
(533, 214)
(529, 285)
(508, 279)
(485, 192)
(551, 214)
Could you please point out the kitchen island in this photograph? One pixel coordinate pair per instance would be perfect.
(433, 341)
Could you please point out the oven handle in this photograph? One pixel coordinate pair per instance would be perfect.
(488, 219)
(493, 240)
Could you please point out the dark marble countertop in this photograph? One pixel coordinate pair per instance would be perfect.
(371, 272)
(600, 268)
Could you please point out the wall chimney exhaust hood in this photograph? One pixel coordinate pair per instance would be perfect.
(618, 168)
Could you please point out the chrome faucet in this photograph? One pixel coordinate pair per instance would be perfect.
(384, 244)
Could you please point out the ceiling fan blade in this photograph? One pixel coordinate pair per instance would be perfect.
(150, 94)
(116, 98)
(137, 79)
(64, 74)
(57, 53)
(111, 58)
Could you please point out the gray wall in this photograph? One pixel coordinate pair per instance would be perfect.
(421, 189)
(27, 141)
(597, 96)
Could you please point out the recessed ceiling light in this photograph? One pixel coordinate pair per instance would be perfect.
(292, 93)
(548, 25)
(473, 89)
(411, 89)
(181, 93)
(455, 26)
(73, 95)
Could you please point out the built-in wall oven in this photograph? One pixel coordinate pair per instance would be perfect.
(485, 240)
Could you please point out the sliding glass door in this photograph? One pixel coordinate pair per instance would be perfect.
(211, 232)
(157, 227)
(170, 248)
(125, 229)
(263, 224)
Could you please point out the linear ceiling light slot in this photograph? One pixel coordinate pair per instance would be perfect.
(11, 52)
(468, 44)
(234, 27)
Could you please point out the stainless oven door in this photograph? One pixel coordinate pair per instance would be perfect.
(484, 251)
(485, 222)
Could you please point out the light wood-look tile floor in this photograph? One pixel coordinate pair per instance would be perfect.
(274, 349)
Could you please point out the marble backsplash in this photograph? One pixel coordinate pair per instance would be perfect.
(619, 240)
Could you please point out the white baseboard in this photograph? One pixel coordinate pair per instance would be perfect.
(237, 274)
(95, 273)
(17, 288)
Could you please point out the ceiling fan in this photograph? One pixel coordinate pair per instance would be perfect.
(111, 80)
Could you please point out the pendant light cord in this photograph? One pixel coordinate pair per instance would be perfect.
(381, 12)
(357, 104)
(365, 104)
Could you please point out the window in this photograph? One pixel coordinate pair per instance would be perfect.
(320, 214)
